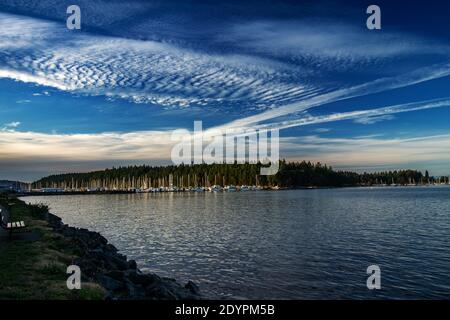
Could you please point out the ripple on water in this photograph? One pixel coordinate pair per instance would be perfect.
(296, 244)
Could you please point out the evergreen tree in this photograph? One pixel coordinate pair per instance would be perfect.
(290, 174)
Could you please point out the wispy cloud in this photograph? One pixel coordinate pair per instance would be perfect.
(10, 126)
(109, 148)
(376, 86)
(322, 130)
(106, 146)
(172, 76)
(375, 119)
(369, 152)
(23, 101)
(362, 116)
(331, 43)
(141, 71)
(142, 145)
(30, 78)
(43, 93)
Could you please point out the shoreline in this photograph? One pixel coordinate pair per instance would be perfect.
(103, 264)
(60, 193)
(99, 261)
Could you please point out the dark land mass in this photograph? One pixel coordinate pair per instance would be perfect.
(290, 175)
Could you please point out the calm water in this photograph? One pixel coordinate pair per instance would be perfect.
(297, 244)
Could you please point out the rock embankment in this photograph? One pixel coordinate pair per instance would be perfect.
(100, 262)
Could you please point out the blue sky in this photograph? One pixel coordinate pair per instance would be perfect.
(112, 92)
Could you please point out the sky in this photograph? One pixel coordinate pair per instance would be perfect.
(112, 93)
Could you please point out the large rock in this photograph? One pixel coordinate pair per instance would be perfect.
(111, 284)
(132, 265)
(193, 288)
(142, 278)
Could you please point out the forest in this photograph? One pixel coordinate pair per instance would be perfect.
(290, 175)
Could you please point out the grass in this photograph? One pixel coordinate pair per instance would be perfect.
(37, 269)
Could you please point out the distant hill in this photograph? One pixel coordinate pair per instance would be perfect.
(12, 185)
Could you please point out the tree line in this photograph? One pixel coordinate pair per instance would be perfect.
(290, 174)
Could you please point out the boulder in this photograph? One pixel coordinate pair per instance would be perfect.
(141, 278)
(115, 274)
(132, 264)
(110, 284)
(193, 288)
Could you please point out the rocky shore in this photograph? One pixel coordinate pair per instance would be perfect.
(100, 262)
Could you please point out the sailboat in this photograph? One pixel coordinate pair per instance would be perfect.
(393, 184)
(215, 188)
(244, 188)
(230, 188)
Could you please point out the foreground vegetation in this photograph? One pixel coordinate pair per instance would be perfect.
(290, 174)
(35, 268)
